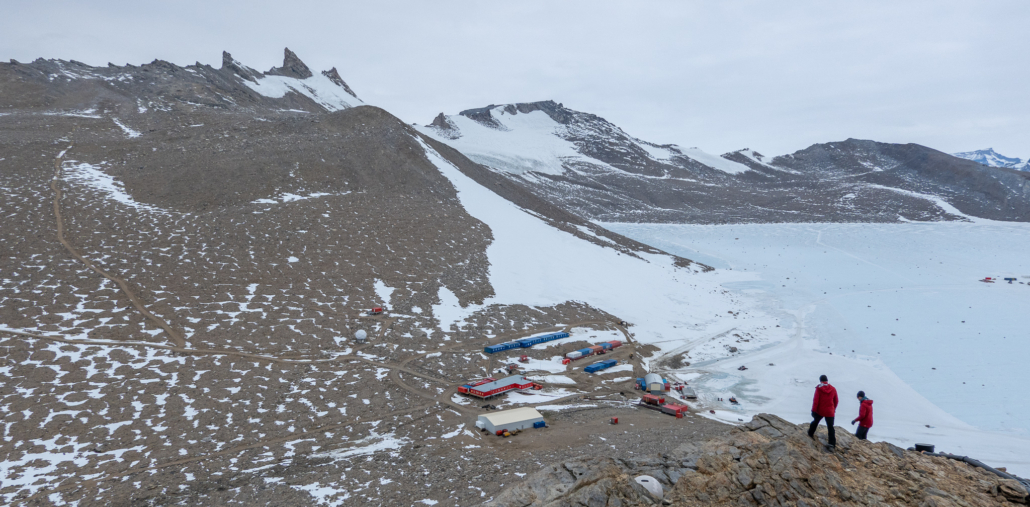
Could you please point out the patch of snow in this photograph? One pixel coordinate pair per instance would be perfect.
(383, 291)
(92, 176)
(318, 88)
(450, 311)
(526, 142)
(715, 161)
(129, 132)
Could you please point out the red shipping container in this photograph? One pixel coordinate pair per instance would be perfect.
(615, 343)
(676, 410)
(596, 348)
(651, 399)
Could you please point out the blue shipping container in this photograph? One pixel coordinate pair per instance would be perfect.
(529, 342)
(600, 365)
(539, 424)
(586, 352)
(490, 349)
(605, 346)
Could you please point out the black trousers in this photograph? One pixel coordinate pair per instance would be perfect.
(829, 427)
(862, 432)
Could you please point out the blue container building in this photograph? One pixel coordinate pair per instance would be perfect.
(600, 365)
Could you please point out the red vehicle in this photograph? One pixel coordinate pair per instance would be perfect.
(376, 311)
(524, 359)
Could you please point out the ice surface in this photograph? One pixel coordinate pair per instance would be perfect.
(905, 298)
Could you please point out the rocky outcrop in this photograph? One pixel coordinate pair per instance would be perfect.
(334, 76)
(770, 461)
(229, 63)
(292, 67)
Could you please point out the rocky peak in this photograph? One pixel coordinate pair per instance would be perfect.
(335, 78)
(228, 63)
(555, 110)
(292, 67)
(441, 122)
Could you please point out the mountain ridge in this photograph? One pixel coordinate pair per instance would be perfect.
(602, 173)
(991, 158)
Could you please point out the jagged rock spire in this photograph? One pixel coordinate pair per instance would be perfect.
(441, 122)
(335, 78)
(228, 63)
(292, 67)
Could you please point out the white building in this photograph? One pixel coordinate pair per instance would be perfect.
(514, 419)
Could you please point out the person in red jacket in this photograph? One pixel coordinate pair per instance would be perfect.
(865, 416)
(824, 406)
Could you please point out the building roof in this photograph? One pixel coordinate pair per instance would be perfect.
(506, 381)
(653, 378)
(511, 416)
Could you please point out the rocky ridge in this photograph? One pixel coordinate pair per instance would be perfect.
(61, 86)
(769, 462)
(599, 172)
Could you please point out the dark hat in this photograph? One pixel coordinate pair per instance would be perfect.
(861, 394)
(822, 378)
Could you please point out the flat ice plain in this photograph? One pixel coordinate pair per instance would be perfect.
(890, 302)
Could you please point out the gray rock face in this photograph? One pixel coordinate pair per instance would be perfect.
(769, 461)
(336, 79)
(292, 67)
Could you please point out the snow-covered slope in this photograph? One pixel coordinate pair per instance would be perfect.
(991, 158)
(547, 138)
(326, 89)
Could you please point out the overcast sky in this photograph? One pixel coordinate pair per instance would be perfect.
(719, 75)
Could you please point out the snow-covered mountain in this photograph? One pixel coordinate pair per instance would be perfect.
(991, 158)
(596, 170)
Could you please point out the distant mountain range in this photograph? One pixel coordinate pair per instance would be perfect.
(991, 158)
(597, 171)
(581, 167)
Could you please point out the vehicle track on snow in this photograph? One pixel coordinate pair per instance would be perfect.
(175, 337)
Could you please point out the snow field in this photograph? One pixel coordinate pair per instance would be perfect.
(317, 88)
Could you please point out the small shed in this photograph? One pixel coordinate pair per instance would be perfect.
(514, 419)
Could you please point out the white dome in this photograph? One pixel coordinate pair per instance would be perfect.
(361, 334)
(651, 485)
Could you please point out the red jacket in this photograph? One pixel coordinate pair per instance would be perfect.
(825, 402)
(865, 414)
